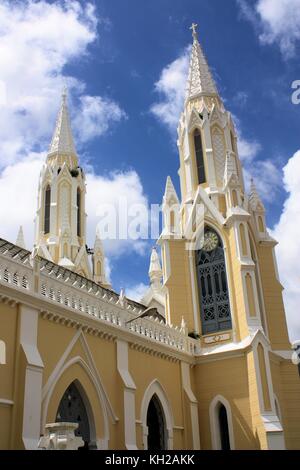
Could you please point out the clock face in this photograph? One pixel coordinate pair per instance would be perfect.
(211, 241)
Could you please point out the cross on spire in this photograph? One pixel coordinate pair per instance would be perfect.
(194, 30)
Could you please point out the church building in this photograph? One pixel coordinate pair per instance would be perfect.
(204, 360)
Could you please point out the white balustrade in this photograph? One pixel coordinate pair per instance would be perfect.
(92, 300)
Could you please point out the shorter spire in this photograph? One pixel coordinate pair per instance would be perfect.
(170, 195)
(20, 238)
(200, 79)
(155, 271)
(98, 242)
(255, 201)
(62, 140)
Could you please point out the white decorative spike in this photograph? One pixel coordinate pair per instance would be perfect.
(254, 200)
(20, 238)
(155, 271)
(122, 298)
(200, 79)
(230, 168)
(99, 262)
(62, 141)
(170, 196)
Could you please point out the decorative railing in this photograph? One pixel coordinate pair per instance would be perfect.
(73, 292)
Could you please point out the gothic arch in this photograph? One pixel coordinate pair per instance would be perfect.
(212, 281)
(156, 389)
(210, 223)
(77, 370)
(214, 407)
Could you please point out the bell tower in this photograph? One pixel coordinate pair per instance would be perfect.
(60, 226)
(206, 134)
(214, 267)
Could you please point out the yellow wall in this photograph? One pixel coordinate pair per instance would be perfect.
(227, 378)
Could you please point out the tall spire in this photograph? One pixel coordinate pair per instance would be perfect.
(200, 79)
(62, 141)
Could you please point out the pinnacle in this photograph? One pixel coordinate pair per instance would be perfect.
(62, 141)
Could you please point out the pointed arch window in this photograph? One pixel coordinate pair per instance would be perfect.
(224, 429)
(78, 213)
(212, 284)
(156, 425)
(47, 209)
(199, 156)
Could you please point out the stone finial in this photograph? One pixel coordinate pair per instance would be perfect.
(20, 238)
(254, 200)
(183, 326)
(230, 169)
(122, 298)
(155, 271)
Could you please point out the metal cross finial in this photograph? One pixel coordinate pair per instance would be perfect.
(194, 30)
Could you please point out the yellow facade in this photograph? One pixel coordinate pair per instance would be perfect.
(211, 368)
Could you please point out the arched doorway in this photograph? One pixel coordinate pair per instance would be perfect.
(73, 410)
(223, 427)
(156, 425)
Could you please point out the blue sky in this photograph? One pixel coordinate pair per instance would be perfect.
(118, 51)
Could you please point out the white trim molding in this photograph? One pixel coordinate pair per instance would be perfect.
(155, 388)
(33, 377)
(92, 372)
(129, 395)
(186, 382)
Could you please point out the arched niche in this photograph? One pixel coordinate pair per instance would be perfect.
(155, 399)
(78, 372)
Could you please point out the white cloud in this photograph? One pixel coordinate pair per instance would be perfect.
(287, 232)
(266, 173)
(118, 191)
(18, 196)
(171, 86)
(37, 40)
(136, 292)
(267, 177)
(276, 21)
(95, 117)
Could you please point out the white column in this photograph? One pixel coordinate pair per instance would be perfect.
(33, 377)
(186, 382)
(129, 395)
